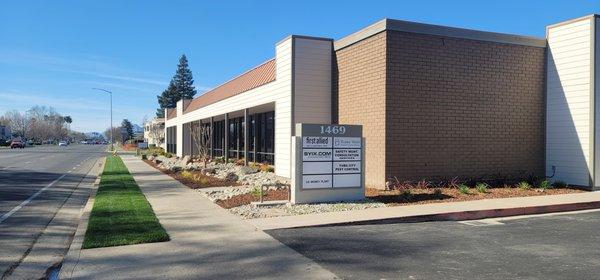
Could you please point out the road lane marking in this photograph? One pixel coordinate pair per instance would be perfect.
(18, 207)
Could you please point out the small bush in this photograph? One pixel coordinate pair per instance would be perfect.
(437, 192)
(482, 187)
(202, 180)
(524, 185)
(144, 156)
(240, 162)
(219, 160)
(544, 185)
(559, 184)
(423, 184)
(266, 168)
(464, 189)
(187, 175)
(406, 194)
(256, 192)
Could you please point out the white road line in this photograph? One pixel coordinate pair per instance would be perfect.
(7, 215)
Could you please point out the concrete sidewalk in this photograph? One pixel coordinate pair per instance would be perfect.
(207, 242)
(465, 210)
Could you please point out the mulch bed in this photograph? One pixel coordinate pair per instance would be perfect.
(424, 196)
(244, 199)
(212, 181)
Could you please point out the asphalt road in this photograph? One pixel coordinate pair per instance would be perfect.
(35, 182)
(565, 246)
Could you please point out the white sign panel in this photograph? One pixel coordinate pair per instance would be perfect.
(316, 181)
(341, 167)
(328, 163)
(346, 154)
(317, 155)
(317, 167)
(316, 142)
(347, 142)
(346, 181)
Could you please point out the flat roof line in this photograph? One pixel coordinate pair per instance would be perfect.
(438, 30)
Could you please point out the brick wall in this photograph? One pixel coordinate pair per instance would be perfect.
(359, 98)
(458, 107)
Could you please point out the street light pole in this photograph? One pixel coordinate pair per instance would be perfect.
(112, 148)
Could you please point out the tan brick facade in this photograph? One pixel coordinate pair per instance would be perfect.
(439, 107)
(359, 81)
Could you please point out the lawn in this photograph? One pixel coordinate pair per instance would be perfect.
(121, 214)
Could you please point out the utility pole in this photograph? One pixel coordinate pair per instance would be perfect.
(112, 147)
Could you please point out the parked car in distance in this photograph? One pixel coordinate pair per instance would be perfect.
(63, 143)
(17, 144)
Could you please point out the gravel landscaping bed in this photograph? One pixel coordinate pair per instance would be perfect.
(234, 187)
(253, 211)
(424, 196)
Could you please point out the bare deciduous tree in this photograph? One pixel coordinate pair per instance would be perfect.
(201, 135)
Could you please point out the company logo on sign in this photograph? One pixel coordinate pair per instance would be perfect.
(316, 142)
(346, 154)
(347, 142)
(346, 167)
(317, 155)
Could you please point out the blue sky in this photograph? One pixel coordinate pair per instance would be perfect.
(53, 52)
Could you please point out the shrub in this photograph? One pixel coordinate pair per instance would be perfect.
(187, 175)
(219, 160)
(240, 162)
(266, 168)
(406, 194)
(454, 183)
(482, 187)
(256, 192)
(202, 180)
(544, 185)
(524, 185)
(437, 192)
(423, 184)
(144, 156)
(559, 184)
(464, 189)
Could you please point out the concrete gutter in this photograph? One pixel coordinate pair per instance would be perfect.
(72, 258)
(454, 211)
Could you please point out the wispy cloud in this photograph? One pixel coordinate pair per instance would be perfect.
(15, 99)
(83, 65)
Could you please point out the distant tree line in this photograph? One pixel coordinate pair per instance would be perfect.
(40, 123)
(180, 86)
(121, 133)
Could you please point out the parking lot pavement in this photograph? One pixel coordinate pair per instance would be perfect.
(563, 246)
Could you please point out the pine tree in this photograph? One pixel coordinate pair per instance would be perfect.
(167, 99)
(181, 86)
(127, 129)
(184, 81)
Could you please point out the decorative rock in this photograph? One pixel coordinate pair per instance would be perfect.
(244, 170)
(232, 177)
(208, 171)
(175, 168)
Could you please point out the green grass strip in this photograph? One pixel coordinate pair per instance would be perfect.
(121, 214)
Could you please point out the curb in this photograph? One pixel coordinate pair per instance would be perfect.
(72, 257)
(469, 215)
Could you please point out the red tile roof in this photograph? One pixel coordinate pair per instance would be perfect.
(171, 113)
(256, 77)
